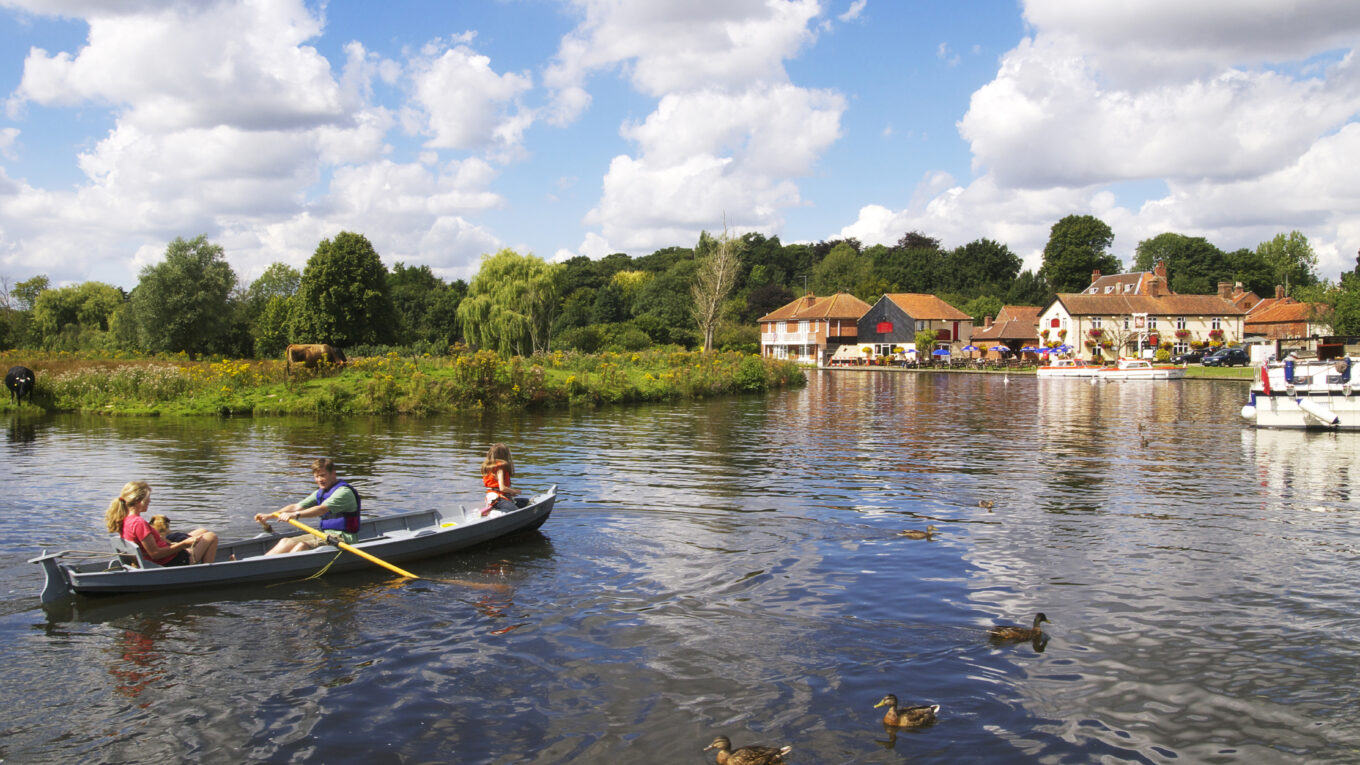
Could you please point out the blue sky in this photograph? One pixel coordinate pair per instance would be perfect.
(444, 131)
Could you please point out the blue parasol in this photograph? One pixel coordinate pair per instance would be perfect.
(940, 352)
(970, 348)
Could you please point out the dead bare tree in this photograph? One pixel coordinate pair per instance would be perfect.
(714, 280)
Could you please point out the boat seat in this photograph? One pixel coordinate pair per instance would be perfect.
(131, 554)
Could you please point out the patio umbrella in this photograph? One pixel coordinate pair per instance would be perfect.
(940, 352)
(1001, 348)
(1064, 348)
(970, 348)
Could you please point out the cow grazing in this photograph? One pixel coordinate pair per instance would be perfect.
(309, 355)
(20, 382)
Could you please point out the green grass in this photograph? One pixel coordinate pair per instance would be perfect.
(391, 384)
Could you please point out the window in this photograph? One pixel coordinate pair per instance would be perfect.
(1095, 322)
(920, 325)
(1216, 323)
(1180, 322)
(1109, 288)
(1126, 322)
(803, 326)
(782, 326)
(1152, 323)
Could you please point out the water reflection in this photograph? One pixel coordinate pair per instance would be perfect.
(729, 567)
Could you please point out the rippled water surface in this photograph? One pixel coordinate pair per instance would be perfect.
(730, 567)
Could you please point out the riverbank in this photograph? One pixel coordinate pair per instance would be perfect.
(117, 384)
(1242, 374)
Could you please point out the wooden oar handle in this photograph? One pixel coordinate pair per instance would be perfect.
(351, 548)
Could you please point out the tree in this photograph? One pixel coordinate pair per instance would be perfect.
(714, 280)
(1193, 265)
(76, 317)
(979, 308)
(1077, 245)
(1346, 309)
(843, 269)
(1290, 258)
(343, 297)
(184, 302)
(426, 308)
(510, 303)
(25, 294)
(1029, 288)
(980, 267)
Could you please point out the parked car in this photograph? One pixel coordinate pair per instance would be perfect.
(1189, 357)
(1227, 357)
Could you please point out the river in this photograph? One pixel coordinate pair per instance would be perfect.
(723, 567)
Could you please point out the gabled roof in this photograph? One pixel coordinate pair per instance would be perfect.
(926, 307)
(1019, 313)
(1016, 329)
(1134, 283)
(1248, 300)
(841, 305)
(1082, 304)
(1289, 310)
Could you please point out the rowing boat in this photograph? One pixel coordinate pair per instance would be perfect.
(394, 538)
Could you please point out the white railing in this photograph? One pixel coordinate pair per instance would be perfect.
(789, 338)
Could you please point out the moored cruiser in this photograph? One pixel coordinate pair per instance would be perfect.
(1305, 394)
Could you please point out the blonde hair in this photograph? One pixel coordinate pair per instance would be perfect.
(496, 454)
(133, 492)
(160, 523)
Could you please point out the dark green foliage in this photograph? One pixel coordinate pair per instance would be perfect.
(980, 267)
(766, 298)
(1193, 266)
(1029, 288)
(1078, 245)
(343, 298)
(1251, 269)
(426, 307)
(185, 302)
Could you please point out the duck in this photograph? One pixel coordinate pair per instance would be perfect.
(1010, 632)
(987, 503)
(747, 755)
(907, 717)
(918, 534)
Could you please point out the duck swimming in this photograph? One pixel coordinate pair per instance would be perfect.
(747, 755)
(907, 717)
(918, 534)
(1009, 632)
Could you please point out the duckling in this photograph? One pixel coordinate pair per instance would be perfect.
(987, 503)
(747, 755)
(907, 717)
(918, 534)
(1010, 633)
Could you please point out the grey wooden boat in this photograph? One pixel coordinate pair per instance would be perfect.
(393, 538)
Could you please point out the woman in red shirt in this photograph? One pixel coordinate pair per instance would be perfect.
(124, 518)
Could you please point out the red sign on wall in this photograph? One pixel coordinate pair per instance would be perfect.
(1053, 323)
(884, 327)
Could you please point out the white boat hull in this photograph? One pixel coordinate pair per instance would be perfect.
(1312, 395)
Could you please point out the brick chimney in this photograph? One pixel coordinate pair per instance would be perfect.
(1156, 285)
(1225, 290)
(1160, 269)
(1095, 274)
(808, 300)
(1279, 292)
(986, 322)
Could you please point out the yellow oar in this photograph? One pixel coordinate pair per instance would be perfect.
(348, 547)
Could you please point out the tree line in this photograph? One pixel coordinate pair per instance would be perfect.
(705, 296)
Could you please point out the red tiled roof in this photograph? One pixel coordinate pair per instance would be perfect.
(841, 305)
(926, 307)
(1291, 311)
(1081, 304)
(1008, 330)
(1019, 313)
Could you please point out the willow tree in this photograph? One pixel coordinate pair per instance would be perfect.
(510, 303)
(714, 279)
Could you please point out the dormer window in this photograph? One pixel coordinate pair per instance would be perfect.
(1093, 291)
(1128, 288)
(1109, 288)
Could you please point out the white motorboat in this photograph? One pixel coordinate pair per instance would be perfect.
(1065, 367)
(1140, 369)
(1305, 393)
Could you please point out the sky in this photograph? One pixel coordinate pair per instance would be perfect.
(445, 131)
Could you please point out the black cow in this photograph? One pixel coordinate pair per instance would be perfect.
(20, 381)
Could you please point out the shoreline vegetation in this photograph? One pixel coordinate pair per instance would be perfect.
(174, 385)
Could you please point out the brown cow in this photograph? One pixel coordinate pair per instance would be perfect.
(310, 354)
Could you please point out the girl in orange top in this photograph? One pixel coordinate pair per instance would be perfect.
(497, 469)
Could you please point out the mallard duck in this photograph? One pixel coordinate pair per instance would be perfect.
(907, 717)
(918, 534)
(987, 503)
(747, 755)
(1010, 632)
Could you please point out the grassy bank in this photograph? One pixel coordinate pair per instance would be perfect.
(390, 384)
